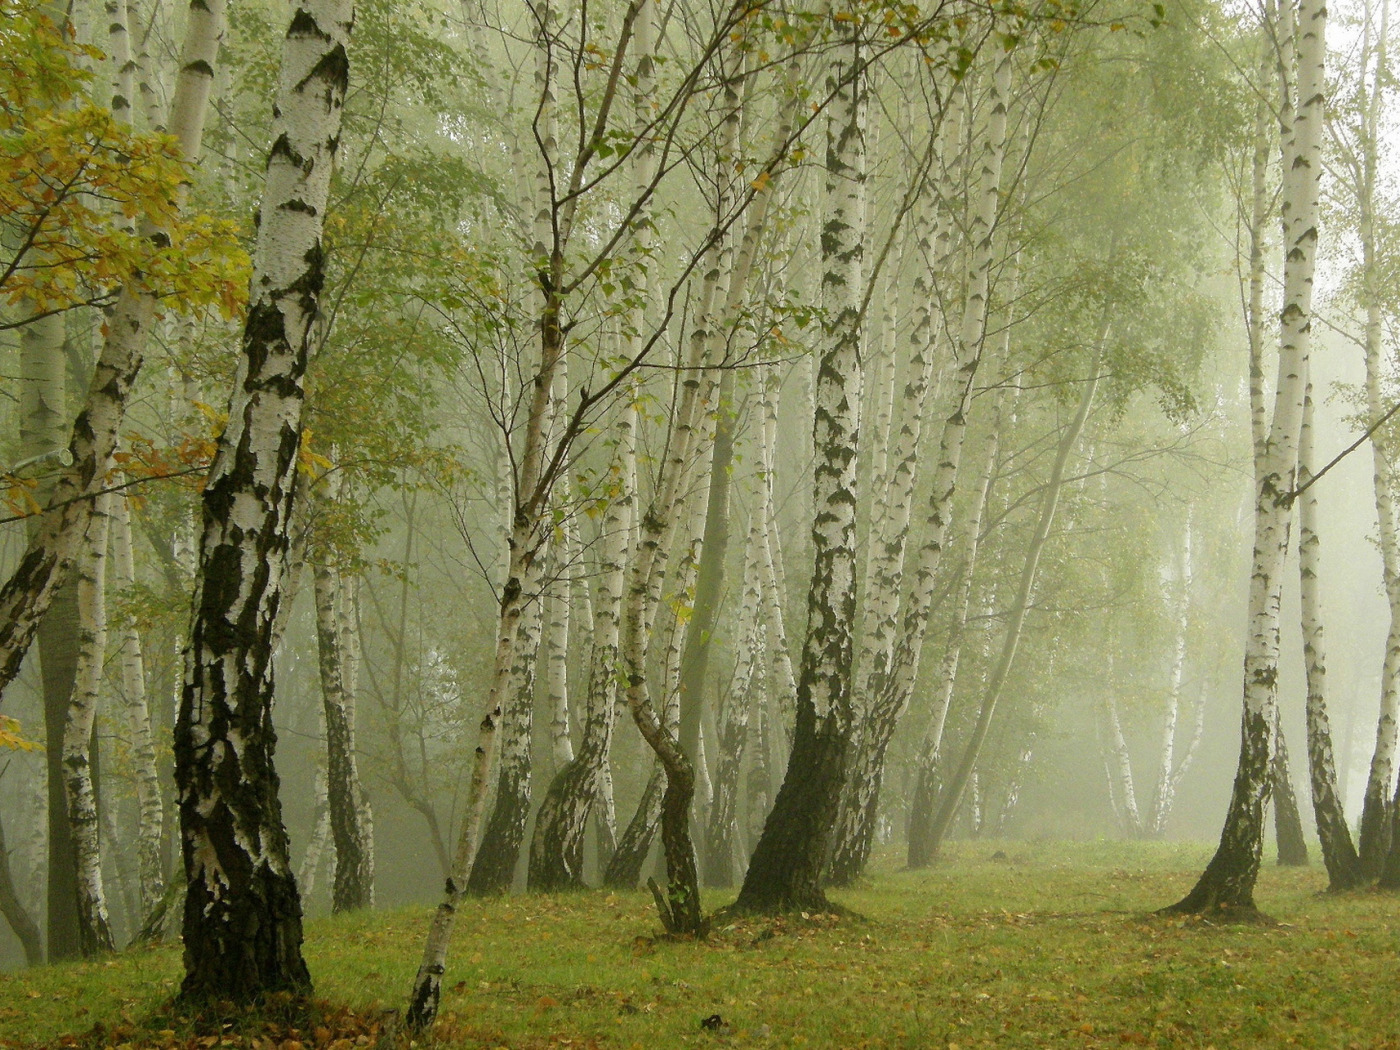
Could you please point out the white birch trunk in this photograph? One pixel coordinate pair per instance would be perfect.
(1338, 852)
(1228, 881)
(1167, 776)
(887, 696)
(149, 807)
(1377, 810)
(94, 926)
(242, 923)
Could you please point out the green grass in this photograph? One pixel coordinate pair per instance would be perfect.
(1045, 945)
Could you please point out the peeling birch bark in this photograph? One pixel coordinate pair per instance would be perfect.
(242, 918)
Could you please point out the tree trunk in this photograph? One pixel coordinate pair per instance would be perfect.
(494, 868)
(888, 695)
(1376, 813)
(242, 919)
(1288, 822)
(1120, 768)
(624, 870)
(1338, 852)
(43, 427)
(1227, 884)
(80, 790)
(353, 884)
(150, 870)
(556, 848)
(26, 930)
(996, 682)
(722, 825)
(923, 802)
(785, 871)
(529, 533)
(320, 834)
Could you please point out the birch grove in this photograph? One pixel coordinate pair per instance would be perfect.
(646, 448)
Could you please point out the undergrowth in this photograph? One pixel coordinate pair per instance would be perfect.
(1001, 944)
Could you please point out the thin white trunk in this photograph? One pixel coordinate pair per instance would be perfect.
(94, 927)
(149, 808)
(1167, 777)
(320, 835)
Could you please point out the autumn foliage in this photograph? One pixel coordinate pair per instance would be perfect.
(74, 181)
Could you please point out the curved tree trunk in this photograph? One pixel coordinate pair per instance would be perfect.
(242, 919)
(26, 930)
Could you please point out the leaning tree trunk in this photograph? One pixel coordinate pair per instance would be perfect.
(785, 871)
(494, 868)
(1227, 884)
(923, 802)
(79, 789)
(1338, 852)
(1288, 822)
(242, 920)
(529, 532)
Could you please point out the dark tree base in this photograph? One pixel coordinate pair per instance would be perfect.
(246, 946)
(785, 872)
(1226, 887)
(494, 868)
(624, 870)
(1374, 841)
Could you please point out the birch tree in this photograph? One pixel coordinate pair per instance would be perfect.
(242, 920)
(1227, 884)
(786, 867)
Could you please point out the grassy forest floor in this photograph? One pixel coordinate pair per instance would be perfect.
(1002, 944)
